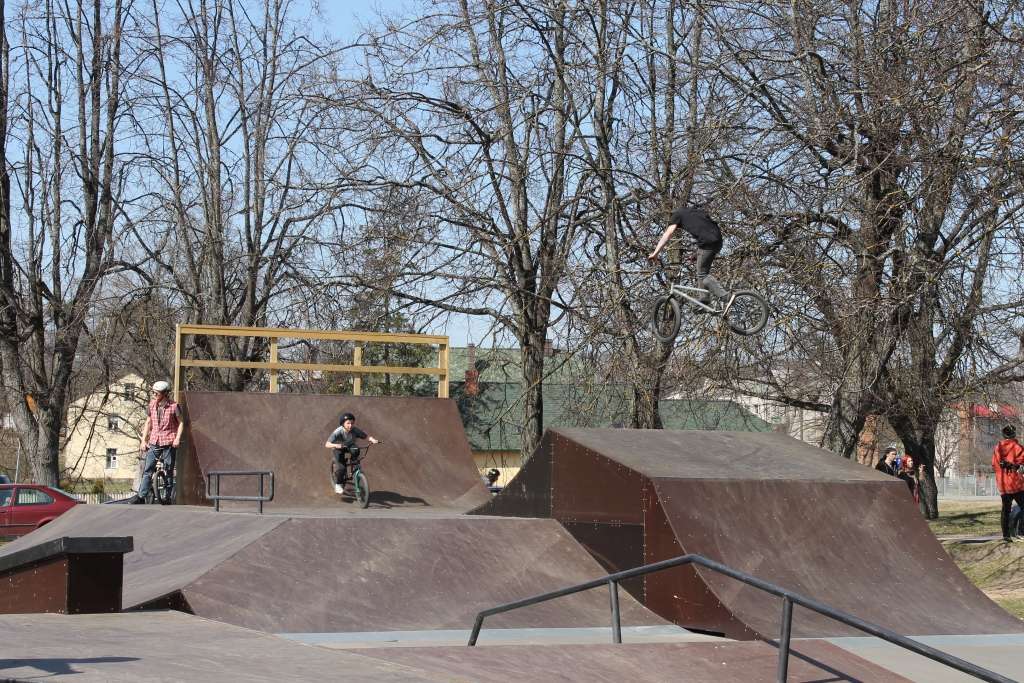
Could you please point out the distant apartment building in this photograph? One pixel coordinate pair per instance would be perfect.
(103, 431)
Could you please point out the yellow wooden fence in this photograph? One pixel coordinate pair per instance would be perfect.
(274, 366)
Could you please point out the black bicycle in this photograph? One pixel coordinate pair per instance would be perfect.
(354, 482)
(161, 486)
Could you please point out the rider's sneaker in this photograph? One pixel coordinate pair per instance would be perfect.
(338, 488)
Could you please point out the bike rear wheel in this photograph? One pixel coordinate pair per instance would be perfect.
(748, 313)
(161, 487)
(665, 318)
(362, 488)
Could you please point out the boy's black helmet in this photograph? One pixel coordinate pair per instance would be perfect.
(1010, 432)
(346, 416)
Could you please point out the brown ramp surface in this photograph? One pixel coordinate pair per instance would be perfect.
(173, 545)
(359, 574)
(763, 503)
(348, 573)
(424, 460)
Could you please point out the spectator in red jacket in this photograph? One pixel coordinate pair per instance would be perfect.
(1007, 461)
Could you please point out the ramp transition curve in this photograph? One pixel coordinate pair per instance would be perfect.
(424, 459)
(764, 504)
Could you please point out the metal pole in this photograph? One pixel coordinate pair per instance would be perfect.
(17, 464)
(784, 635)
(216, 501)
(261, 493)
(613, 593)
(476, 630)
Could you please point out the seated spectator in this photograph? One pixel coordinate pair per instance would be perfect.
(885, 464)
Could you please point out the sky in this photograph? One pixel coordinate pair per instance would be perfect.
(345, 19)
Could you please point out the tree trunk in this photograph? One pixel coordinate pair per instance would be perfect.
(532, 355)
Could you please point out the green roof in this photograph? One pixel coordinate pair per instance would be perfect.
(503, 365)
(492, 417)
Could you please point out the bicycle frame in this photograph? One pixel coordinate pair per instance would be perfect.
(353, 465)
(683, 292)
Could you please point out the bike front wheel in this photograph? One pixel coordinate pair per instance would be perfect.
(362, 488)
(748, 313)
(162, 487)
(665, 319)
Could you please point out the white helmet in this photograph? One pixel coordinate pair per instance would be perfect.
(161, 386)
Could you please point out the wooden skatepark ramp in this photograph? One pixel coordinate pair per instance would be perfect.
(424, 460)
(765, 504)
(390, 571)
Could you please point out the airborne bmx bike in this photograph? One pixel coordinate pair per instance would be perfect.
(354, 481)
(745, 312)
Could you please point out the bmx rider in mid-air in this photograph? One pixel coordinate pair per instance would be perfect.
(696, 221)
(343, 441)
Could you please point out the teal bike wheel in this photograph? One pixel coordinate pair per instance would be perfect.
(362, 488)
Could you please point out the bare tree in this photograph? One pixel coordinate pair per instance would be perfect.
(239, 178)
(56, 238)
(470, 106)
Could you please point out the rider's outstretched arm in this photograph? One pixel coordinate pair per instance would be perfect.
(665, 237)
(360, 434)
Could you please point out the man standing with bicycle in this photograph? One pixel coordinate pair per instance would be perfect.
(697, 222)
(160, 436)
(343, 440)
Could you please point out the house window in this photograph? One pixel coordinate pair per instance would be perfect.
(113, 422)
(111, 458)
(129, 391)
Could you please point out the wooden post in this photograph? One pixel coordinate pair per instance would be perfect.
(357, 380)
(273, 371)
(177, 362)
(442, 363)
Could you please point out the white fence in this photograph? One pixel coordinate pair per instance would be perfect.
(967, 486)
(94, 498)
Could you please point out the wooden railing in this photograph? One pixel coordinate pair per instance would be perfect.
(274, 366)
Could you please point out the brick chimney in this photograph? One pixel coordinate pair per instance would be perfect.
(549, 348)
(472, 380)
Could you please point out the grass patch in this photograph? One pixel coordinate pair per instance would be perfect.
(995, 567)
(979, 518)
(1014, 606)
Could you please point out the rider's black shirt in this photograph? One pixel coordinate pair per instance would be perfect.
(348, 439)
(698, 223)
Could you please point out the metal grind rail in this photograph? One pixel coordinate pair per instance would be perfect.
(216, 497)
(789, 598)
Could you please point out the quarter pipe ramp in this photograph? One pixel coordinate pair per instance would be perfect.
(764, 504)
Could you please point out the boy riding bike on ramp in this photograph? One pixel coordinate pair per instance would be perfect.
(343, 441)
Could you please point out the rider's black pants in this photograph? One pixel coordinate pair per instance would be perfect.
(705, 256)
(1004, 517)
(341, 456)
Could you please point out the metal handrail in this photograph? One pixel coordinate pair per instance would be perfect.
(789, 598)
(216, 497)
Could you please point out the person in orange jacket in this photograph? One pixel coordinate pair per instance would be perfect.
(1007, 462)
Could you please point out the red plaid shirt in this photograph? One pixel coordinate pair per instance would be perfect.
(163, 422)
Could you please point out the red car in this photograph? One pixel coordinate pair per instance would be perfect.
(24, 507)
